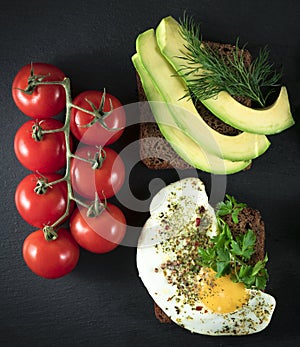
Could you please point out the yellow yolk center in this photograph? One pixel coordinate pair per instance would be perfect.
(221, 295)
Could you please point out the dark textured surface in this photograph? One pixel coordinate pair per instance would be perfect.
(103, 301)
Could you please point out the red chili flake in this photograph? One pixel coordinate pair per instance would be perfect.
(205, 311)
(196, 244)
(167, 227)
(198, 220)
(199, 308)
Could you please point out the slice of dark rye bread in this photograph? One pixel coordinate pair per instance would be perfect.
(249, 218)
(155, 151)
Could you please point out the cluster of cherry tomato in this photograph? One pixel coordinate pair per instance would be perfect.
(44, 145)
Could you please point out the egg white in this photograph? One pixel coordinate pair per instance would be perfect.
(151, 253)
(188, 193)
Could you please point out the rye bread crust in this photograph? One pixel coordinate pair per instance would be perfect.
(155, 151)
(249, 218)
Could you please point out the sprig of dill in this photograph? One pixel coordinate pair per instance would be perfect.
(207, 72)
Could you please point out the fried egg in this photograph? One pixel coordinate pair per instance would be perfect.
(181, 220)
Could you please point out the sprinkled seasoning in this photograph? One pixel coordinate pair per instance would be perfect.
(183, 240)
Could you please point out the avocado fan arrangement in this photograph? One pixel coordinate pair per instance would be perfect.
(176, 68)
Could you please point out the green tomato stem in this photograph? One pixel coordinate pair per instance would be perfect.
(49, 231)
(92, 113)
(52, 131)
(87, 160)
(79, 202)
(66, 84)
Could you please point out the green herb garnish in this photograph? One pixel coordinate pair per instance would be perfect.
(224, 72)
(229, 255)
(230, 206)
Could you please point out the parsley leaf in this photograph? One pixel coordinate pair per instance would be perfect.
(230, 206)
(244, 245)
(227, 255)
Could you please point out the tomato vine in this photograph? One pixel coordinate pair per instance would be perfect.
(45, 198)
(97, 206)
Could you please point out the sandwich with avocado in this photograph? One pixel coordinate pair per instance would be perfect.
(209, 105)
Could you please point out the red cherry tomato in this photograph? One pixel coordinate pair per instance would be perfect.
(44, 155)
(106, 180)
(45, 100)
(99, 234)
(41, 209)
(96, 134)
(51, 259)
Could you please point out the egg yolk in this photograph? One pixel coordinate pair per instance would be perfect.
(221, 295)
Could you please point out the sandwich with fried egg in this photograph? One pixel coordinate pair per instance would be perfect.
(204, 267)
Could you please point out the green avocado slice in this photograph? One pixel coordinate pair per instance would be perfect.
(267, 121)
(172, 87)
(184, 146)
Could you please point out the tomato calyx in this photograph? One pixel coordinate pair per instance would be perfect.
(99, 115)
(42, 185)
(33, 81)
(97, 207)
(38, 132)
(50, 233)
(99, 158)
(96, 161)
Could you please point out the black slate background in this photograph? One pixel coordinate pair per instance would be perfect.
(102, 302)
